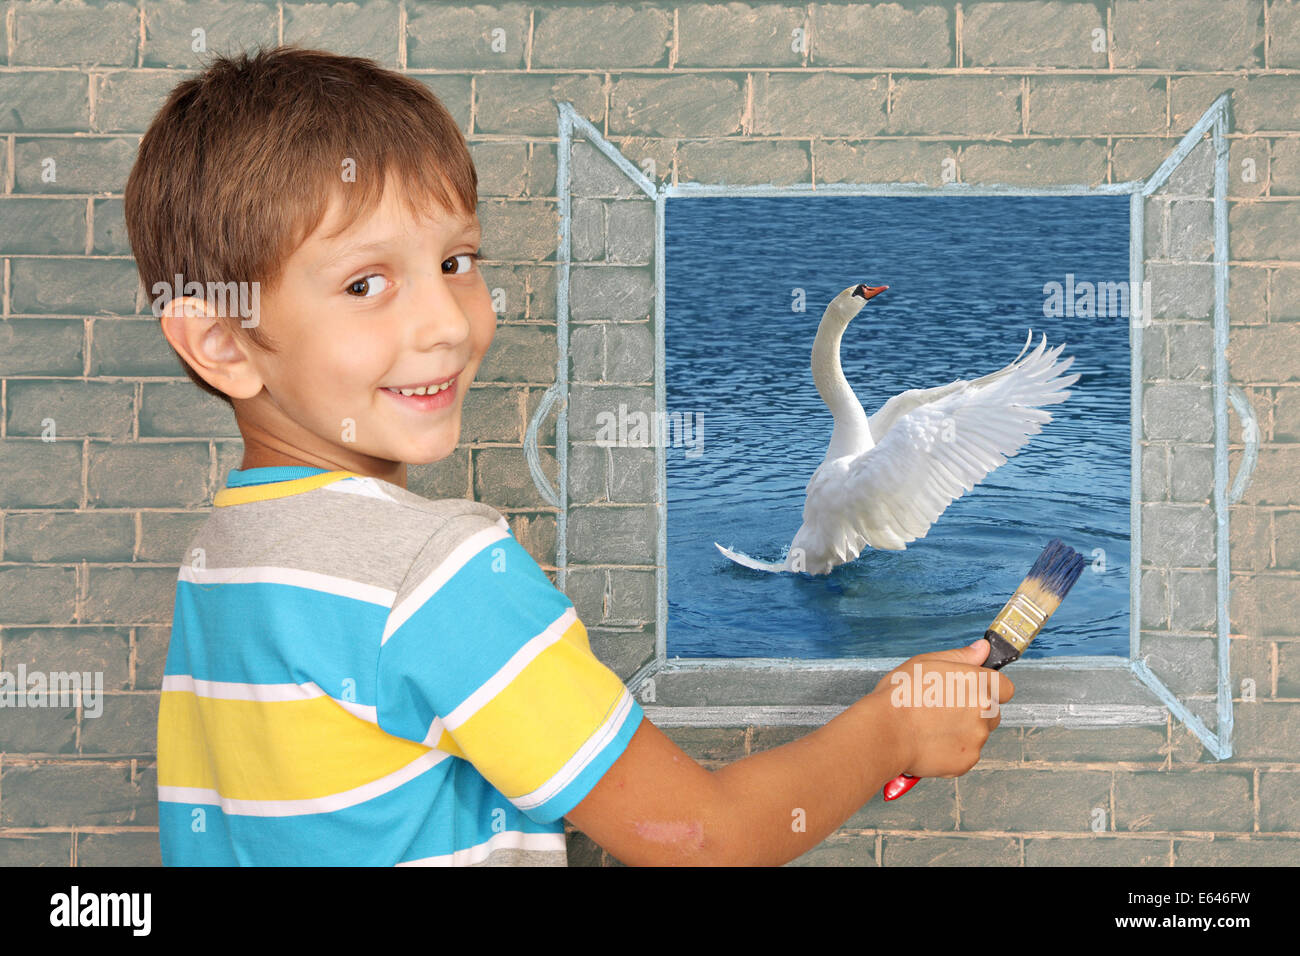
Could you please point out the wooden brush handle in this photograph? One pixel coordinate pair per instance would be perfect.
(1000, 654)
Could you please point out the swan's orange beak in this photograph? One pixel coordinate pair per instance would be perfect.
(869, 292)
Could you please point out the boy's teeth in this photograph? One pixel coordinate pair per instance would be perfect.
(422, 390)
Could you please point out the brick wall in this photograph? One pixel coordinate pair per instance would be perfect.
(95, 522)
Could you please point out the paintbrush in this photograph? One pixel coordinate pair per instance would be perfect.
(1020, 620)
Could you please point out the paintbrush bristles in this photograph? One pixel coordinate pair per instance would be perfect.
(1039, 595)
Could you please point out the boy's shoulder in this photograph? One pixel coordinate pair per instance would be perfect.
(356, 527)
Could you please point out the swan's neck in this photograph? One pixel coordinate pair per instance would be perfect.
(851, 434)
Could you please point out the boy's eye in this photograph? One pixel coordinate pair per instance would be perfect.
(366, 288)
(470, 259)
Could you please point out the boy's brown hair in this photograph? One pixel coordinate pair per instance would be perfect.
(241, 162)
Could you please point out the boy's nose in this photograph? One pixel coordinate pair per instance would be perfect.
(441, 319)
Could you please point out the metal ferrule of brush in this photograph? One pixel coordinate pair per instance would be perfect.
(1016, 625)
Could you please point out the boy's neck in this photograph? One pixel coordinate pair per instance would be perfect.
(258, 455)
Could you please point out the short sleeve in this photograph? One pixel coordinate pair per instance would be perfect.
(483, 657)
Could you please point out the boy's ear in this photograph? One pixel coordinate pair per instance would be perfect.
(210, 347)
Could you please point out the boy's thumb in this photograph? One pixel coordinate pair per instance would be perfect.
(978, 651)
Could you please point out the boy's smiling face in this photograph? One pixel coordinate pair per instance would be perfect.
(395, 301)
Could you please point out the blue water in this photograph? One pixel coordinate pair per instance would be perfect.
(965, 277)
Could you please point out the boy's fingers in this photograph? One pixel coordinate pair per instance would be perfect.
(975, 653)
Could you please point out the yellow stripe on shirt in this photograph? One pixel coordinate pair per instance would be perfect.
(272, 750)
(568, 684)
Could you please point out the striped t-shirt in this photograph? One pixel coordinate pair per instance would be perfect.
(361, 676)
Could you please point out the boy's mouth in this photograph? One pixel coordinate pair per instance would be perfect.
(431, 387)
(425, 396)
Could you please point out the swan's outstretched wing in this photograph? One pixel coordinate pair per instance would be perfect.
(904, 402)
(933, 453)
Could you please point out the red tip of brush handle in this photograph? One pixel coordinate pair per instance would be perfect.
(899, 786)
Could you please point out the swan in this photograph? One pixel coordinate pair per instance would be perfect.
(886, 478)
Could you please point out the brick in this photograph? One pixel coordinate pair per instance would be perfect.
(73, 409)
(983, 105)
(1031, 799)
(623, 651)
(129, 595)
(1284, 35)
(1032, 34)
(1250, 659)
(1284, 173)
(38, 595)
(1178, 800)
(40, 474)
(593, 174)
(1177, 535)
(1155, 35)
(1095, 106)
(890, 34)
(520, 353)
(1258, 102)
(42, 226)
(1181, 291)
(127, 100)
(1191, 230)
(1284, 291)
(150, 656)
(1035, 163)
(131, 347)
(1155, 352)
(1248, 166)
(709, 743)
(587, 230)
(1229, 852)
(81, 286)
(1155, 599)
(595, 408)
(1279, 800)
(53, 794)
(170, 474)
(179, 409)
(528, 228)
(1287, 541)
(165, 536)
(1274, 480)
(612, 534)
(492, 413)
(1191, 351)
(891, 161)
(740, 163)
(228, 26)
(632, 475)
(1193, 600)
(509, 291)
(585, 587)
(607, 36)
(812, 104)
(1250, 538)
(44, 102)
(849, 850)
(1095, 744)
(79, 165)
(949, 851)
(348, 29)
(1137, 159)
(109, 222)
(1191, 473)
(455, 93)
(120, 849)
(536, 532)
(41, 347)
(1264, 230)
(64, 34)
(611, 293)
(103, 650)
(128, 726)
(447, 478)
(35, 849)
(631, 597)
(525, 105)
(929, 806)
(502, 477)
(1266, 353)
(631, 232)
(1265, 731)
(39, 730)
(1178, 413)
(1155, 471)
(68, 536)
(737, 34)
(502, 168)
(1096, 851)
(700, 104)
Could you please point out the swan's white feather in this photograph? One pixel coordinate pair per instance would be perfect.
(891, 493)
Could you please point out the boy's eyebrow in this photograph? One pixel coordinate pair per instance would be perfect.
(469, 227)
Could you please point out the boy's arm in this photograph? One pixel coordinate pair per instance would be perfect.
(657, 806)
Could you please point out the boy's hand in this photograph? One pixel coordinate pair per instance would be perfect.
(942, 723)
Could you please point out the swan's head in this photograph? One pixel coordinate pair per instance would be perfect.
(850, 302)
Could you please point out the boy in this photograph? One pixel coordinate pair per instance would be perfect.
(356, 674)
